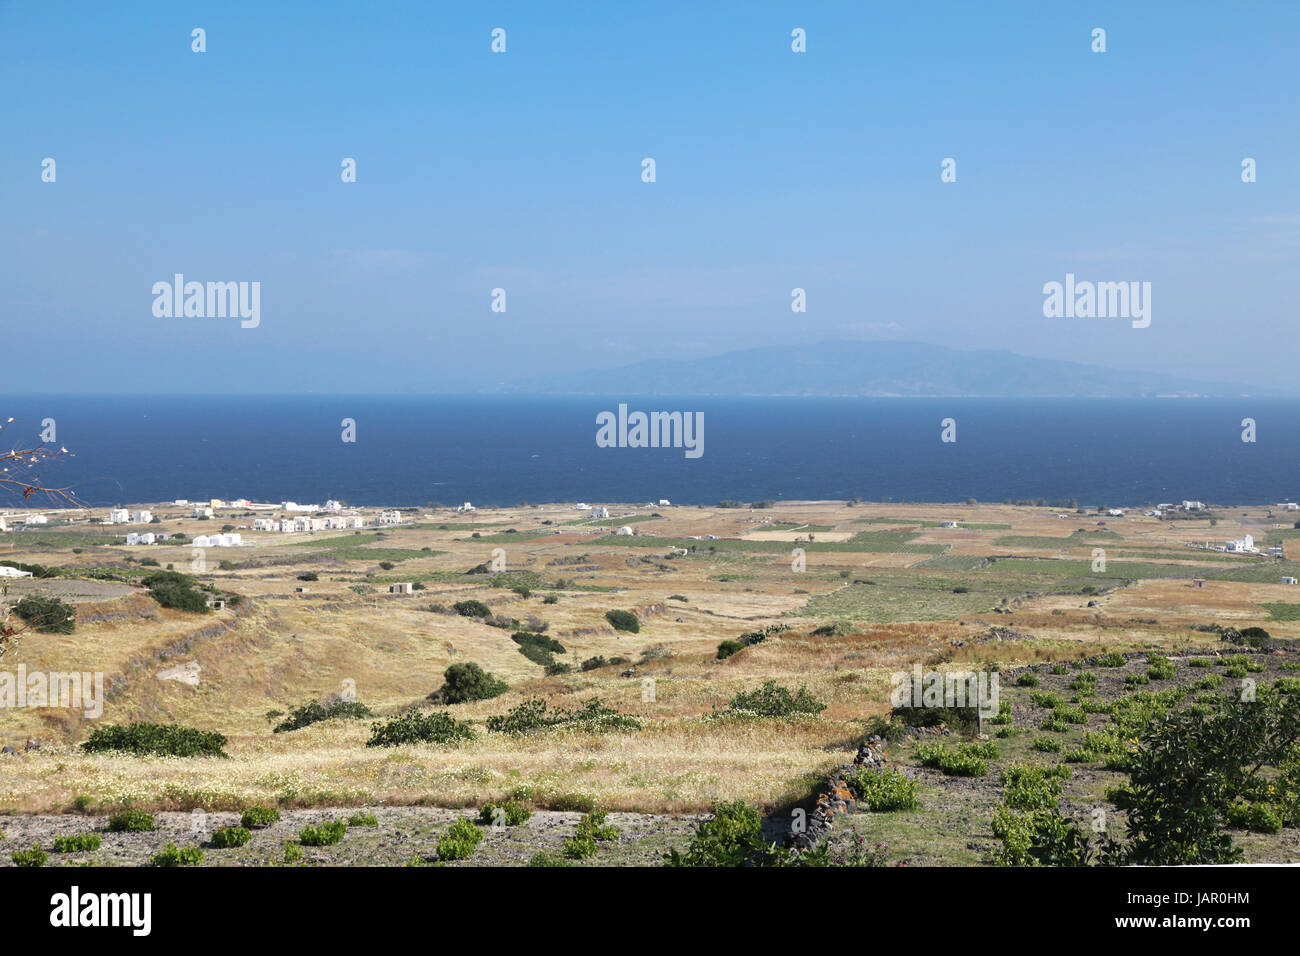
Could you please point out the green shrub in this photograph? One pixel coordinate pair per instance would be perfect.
(175, 590)
(1113, 659)
(533, 715)
(228, 837)
(883, 791)
(623, 621)
(538, 648)
(734, 837)
(591, 831)
(1026, 680)
(48, 615)
(77, 844)
(1257, 817)
(1050, 745)
(472, 608)
(257, 818)
(33, 857)
(171, 856)
(363, 820)
(467, 682)
(131, 821)
(542, 858)
(167, 740)
(965, 760)
(324, 835)
(511, 813)
(1161, 667)
(773, 700)
(315, 711)
(412, 727)
(729, 647)
(460, 840)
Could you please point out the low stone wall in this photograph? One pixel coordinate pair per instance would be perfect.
(836, 797)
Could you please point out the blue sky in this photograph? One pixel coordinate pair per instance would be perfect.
(522, 171)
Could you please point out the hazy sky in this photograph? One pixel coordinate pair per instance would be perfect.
(522, 171)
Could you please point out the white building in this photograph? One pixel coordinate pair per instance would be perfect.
(665, 503)
(1193, 505)
(1290, 506)
(1244, 544)
(388, 518)
(582, 506)
(1284, 580)
(182, 502)
(1115, 512)
(404, 587)
(333, 506)
(202, 511)
(118, 516)
(143, 517)
(263, 524)
(37, 519)
(8, 572)
(625, 530)
(601, 513)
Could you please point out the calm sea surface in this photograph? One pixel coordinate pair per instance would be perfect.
(503, 451)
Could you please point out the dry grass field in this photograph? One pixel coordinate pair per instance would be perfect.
(901, 587)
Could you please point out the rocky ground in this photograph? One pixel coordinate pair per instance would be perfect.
(403, 833)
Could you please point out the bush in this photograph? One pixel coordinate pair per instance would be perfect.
(412, 727)
(773, 700)
(538, 648)
(1113, 659)
(466, 682)
(510, 814)
(1049, 745)
(460, 841)
(326, 834)
(1257, 817)
(592, 663)
(175, 590)
(885, 729)
(131, 821)
(33, 857)
(307, 576)
(591, 831)
(1026, 680)
(77, 844)
(48, 615)
(1161, 667)
(315, 711)
(623, 621)
(166, 740)
(542, 858)
(883, 791)
(171, 856)
(729, 647)
(257, 818)
(533, 715)
(965, 760)
(734, 837)
(228, 837)
(472, 609)
(363, 820)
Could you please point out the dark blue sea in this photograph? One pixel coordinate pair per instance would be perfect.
(508, 450)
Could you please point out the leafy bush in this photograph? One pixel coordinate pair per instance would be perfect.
(466, 682)
(77, 844)
(175, 590)
(324, 835)
(363, 820)
(538, 648)
(171, 856)
(228, 837)
(729, 647)
(48, 615)
(472, 608)
(328, 708)
(1257, 817)
(131, 821)
(734, 837)
(965, 760)
(623, 621)
(167, 740)
(1026, 680)
(591, 831)
(773, 700)
(460, 841)
(257, 818)
(511, 813)
(412, 727)
(33, 857)
(1113, 659)
(1050, 745)
(533, 715)
(1161, 667)
(883, 791)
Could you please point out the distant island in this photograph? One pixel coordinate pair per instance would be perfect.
(877, 369)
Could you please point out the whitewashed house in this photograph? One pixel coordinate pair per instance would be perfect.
(263, 524)
(625, 530)
(143, 517)
(466, 507)
(334, 507)
(200, 541)
(202, 511)
(3, 526)
(600, 513)
(8, 572)
(582, 506)
(388, 519)
(665, 503)
(37, 519)
(118, 516)
(1244, 544)
(148, 537)
(181, 502)
(1193, 505)
(1288, 580)
(405, 587)
(133, 538)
